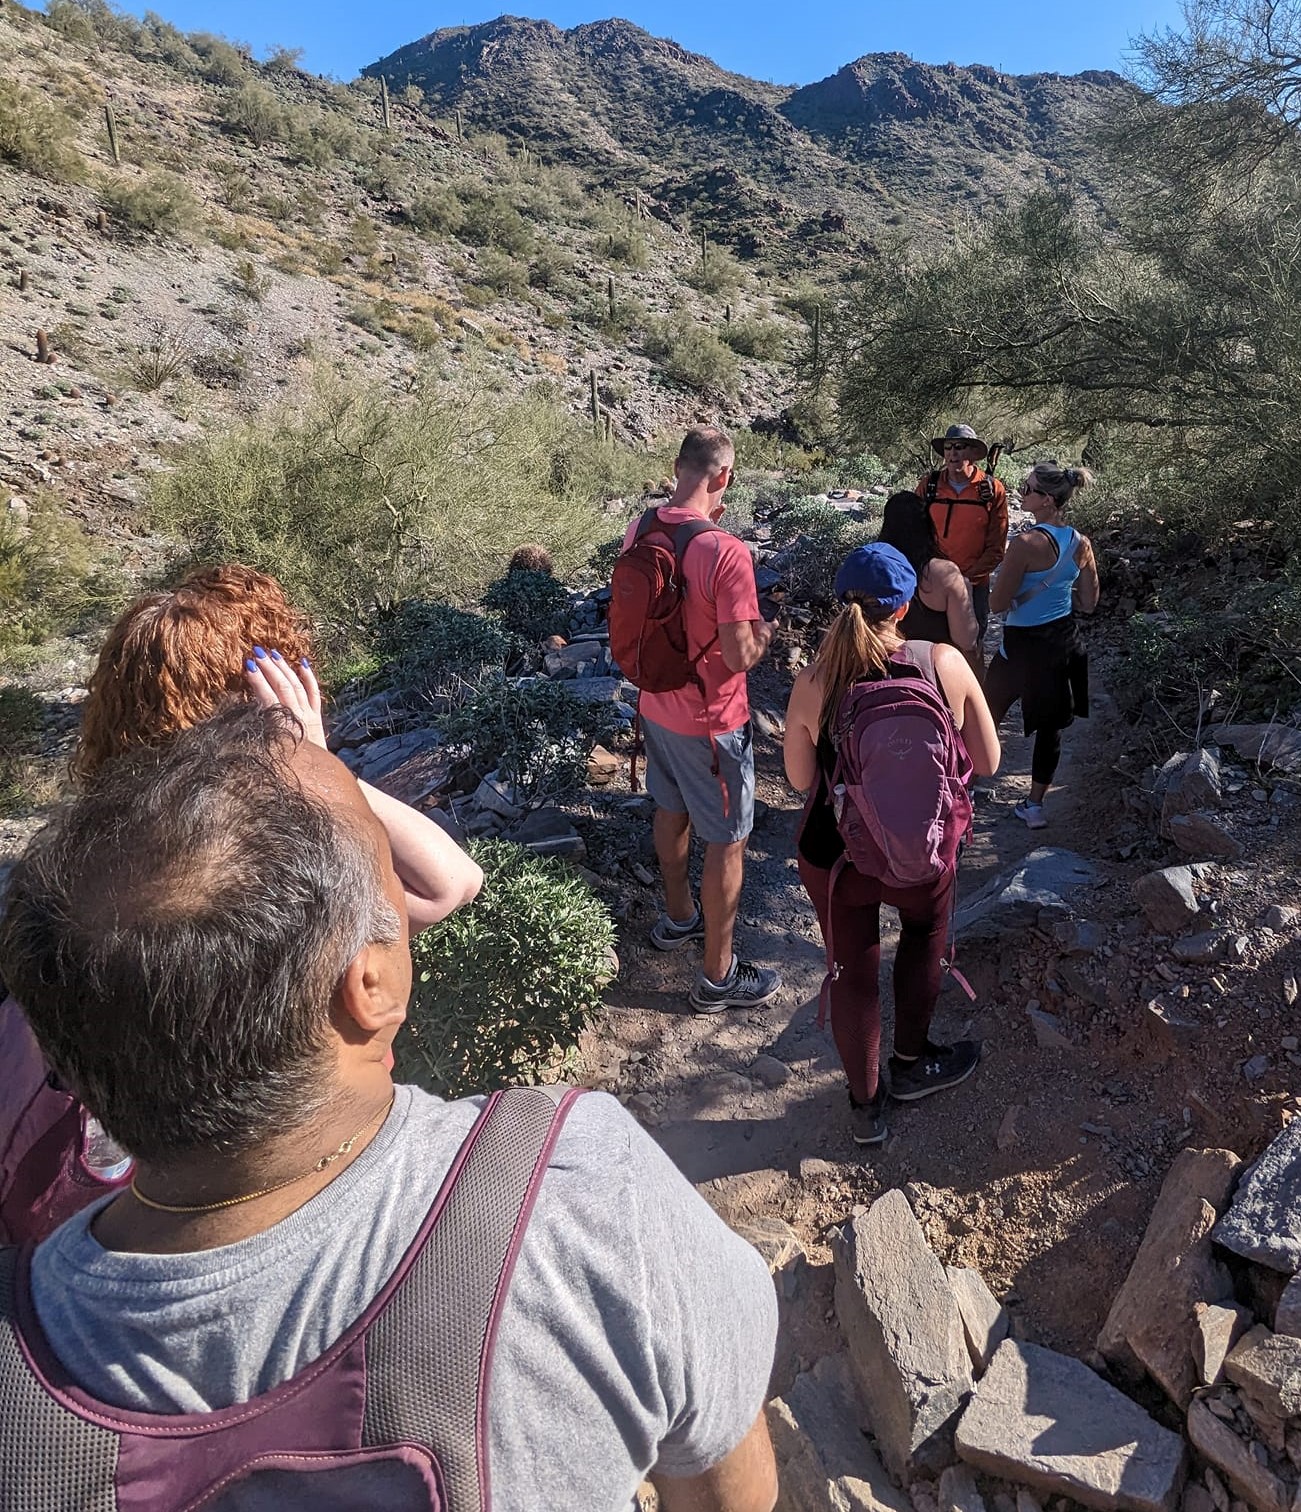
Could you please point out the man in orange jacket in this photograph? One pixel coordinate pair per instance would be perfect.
(970, 511)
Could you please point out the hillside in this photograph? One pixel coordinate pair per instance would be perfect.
(884, 136)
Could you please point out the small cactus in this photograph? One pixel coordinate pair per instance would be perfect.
(22, 280)
(45, 355)
(101, 223)
(110, 120)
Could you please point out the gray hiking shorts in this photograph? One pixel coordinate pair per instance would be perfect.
(679, 779)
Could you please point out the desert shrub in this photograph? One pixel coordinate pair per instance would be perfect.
(163, 354)
(234, 184)
(503, 990)
(761, 339)
(692, 354)
(530, 604)
(36, 136)
(248, 282)
(718, 273)
(492, 221)
(220, 62)
(437, 651)
(160, 202)
(549, 266)
(22, 718)
(817, 538)
(439, 210)
(501, 274)
(627, 247)
(53, 580)
(534, 732)
(360, 498)
(253, 111)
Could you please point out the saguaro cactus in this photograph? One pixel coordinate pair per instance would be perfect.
(596, 404)
(460, 125)
(704, 249)
(44, 354)
(383, 104)
(609, 293)
(110, 120)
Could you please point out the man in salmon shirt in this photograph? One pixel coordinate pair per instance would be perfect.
(699, 754)
(970, 512)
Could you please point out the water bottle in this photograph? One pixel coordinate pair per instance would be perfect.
(102, 1156)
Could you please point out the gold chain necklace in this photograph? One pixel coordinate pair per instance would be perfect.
(323, 1164)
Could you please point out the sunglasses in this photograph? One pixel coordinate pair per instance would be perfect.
(958, 446)
(1027, 490)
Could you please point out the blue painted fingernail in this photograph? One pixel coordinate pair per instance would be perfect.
(251, 664)
(258, 651)
(307, 664)
(276, 656)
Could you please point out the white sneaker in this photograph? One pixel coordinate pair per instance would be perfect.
(1032, 815)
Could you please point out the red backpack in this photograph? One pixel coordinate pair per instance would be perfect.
(648, 632)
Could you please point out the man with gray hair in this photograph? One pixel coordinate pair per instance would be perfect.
(519, 1304)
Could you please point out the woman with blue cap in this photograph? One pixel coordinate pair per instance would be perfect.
(875, 586)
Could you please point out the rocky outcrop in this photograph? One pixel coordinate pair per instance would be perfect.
(1264, 1221)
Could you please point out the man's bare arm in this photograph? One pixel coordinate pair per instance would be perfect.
(745, 643)
(743, 1481)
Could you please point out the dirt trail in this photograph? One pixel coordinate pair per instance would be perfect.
(1051, 1218)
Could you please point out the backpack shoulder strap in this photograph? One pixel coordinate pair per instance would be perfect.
(985, 488)
(1057, 572)
(650, 518)
(932, 485)
(430, 1348)
(688, 531)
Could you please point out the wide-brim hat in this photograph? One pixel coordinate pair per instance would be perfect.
(960, 433)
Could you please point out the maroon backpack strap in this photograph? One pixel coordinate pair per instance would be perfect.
(430, 1346)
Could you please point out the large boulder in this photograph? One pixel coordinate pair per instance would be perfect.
(905, 1336)
(1267, 1366)
(826, 1464)
(1264, 1221)
(1152, 1323)
(1014, 899)
(1047, 1421)
(1270, 744)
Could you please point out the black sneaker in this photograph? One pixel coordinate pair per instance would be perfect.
(746, 986)
(942, 1066)
(669, 934)
(867, 1121)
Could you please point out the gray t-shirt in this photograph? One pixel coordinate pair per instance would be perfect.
(639, 1330)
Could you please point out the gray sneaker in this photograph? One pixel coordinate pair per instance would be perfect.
(669, 934)
(746, 986)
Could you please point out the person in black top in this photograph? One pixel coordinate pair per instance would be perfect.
(941, 609)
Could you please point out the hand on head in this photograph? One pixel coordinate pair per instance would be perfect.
(271, 680)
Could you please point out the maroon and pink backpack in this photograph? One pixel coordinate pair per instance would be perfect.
(54, 1158)
(391, 1418)
(898, 788)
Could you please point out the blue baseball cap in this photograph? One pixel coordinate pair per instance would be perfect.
(879, 572)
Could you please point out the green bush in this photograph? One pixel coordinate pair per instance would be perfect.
(52, 579)
(22, 718)
(818, 539)
(438, 210)
(359, 498)
(255, 112)
(434, 649)
(531, 605)
(627, 247)
(500, 273)
(161, 202)
(692, 355)
(37, 137)
(492, 221)
(534, 732)
(504, 988)
(719, 273)
(764, 340)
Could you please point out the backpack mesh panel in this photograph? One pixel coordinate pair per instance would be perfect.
(50, 1459)
(423, 1352)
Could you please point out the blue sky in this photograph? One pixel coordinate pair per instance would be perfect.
(767, 39)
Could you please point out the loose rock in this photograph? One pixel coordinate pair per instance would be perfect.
(1201, 835)
(1219, 1326)
(1015, 898)
(1167, 898)
(826, 1462)
(1201, 949)
(1194, 785)
(1217, 1442)
(1048, 1421)
(1287, 1316)
(769, 1071)
(905, 1336)
(1268, 1367)
(1047, 1030)
(1280, 917)
(984, 1319)
(1151, 1323)
(959, 1492)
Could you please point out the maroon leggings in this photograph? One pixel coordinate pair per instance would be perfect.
(856, 992)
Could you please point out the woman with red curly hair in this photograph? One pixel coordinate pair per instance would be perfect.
(171, 661)
(228, 633)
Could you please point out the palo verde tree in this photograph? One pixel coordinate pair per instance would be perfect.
(1162, 322)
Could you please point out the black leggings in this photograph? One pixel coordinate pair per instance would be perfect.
(1047, 753)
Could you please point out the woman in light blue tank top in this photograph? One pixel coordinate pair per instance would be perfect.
(1047, 574)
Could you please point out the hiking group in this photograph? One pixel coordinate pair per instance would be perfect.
(251, 1270)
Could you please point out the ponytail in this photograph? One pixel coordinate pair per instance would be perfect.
(859, 644)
